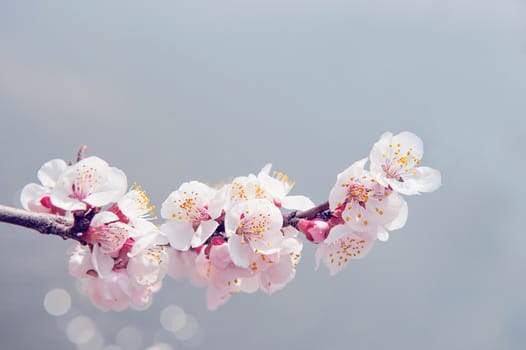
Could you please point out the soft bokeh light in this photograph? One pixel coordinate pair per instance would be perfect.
(189, 329)
(129, 338)
(57, 302)
(173, 318)
(80, 330)
(160, 346)
(95, 343)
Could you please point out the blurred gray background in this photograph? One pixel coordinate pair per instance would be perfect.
(171, 91)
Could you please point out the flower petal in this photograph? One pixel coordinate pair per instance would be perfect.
(203, 232)
(297, 203)
(400, 207)
(102, 263)
(179, 234)
(51, 171)
(30, 198)
(239, 251)
(277, 276)
(337, 232)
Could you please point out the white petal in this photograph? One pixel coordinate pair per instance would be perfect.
(102, 218)
(60, 199)
(216, 298)
(102, 263)
(142, 227)
(337, 232)
(265, 170)
(402, 210)
(111, 190)
(250, 284)
(30, 197)
(321, 251)
(273, 186)
(297, 203)
(220, 256)
(379, 153)
(291, 245)
(429, 179)
(218, 203)
(289, 232)
(179, 234)
(51, 171)
(143, 243)
(382, 235)
(239, 251)
(408, 140)
(203, 232)
(409, 187)
(277, 276)
(232, 218)
(337, 196)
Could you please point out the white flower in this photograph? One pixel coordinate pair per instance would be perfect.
(147, 266)
(114, 280)
(253, 225)
(273, 271)
(366, 205)
(35, 197)
(90, 182)
(272, 188)
(108, 233)
(191, 212)
(134, 206)
(395, 162)
(336, 253)
(224, 277)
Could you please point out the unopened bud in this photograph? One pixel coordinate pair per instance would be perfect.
(315, 230)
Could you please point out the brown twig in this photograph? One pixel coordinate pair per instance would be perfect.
(49, 224)
(291, 218)
(82, 153)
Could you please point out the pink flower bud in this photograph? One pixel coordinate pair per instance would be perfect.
(315, 230)
(217, 240)
(46, 203)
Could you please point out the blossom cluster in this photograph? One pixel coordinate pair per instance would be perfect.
(366, 204)
(232, 238)
(243, 236)
(124, 258)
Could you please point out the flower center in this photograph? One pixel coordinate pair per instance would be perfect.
(198, 215)
(359, 193)
(84, 183)
(252, 228)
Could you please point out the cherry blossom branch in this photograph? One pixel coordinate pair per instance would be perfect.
(234, 238)
(72, 228)
(48, 224)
